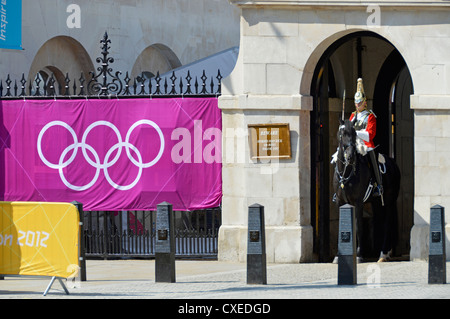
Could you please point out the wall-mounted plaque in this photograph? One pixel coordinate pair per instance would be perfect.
(269, 141)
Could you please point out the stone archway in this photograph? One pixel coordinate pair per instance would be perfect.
(59, 56)
(157, 57)
(337, 64)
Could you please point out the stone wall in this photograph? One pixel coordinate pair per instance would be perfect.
(187, 29)
(280, 47)
(432, 175)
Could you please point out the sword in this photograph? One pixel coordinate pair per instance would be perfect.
(343, 106)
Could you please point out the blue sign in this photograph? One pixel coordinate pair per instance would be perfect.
(11, 24)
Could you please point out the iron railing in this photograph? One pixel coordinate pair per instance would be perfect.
(107, 83)
(132, 234)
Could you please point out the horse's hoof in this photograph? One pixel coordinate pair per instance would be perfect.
(335, 260)
(359, 260)
(384, 257)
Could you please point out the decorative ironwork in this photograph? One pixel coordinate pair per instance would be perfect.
(133, 234)
(105, 87)
(106, 83)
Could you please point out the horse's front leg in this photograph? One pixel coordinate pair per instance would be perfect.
(360, 251)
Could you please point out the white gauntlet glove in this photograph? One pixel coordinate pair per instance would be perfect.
(363, 134)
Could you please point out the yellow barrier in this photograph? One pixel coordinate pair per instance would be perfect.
(39, 239)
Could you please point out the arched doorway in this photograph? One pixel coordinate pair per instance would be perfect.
(155, 58)
(388, 86)
(58, 57)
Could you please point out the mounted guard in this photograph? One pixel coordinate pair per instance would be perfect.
(365, 124)
(354, 174)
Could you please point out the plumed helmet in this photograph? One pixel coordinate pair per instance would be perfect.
(360, 96)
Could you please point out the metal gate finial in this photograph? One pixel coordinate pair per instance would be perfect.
(105, 88)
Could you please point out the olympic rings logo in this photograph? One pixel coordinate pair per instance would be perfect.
(97, 164)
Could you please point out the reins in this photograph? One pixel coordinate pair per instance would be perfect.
(342, 178)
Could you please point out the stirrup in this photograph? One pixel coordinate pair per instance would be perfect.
(334, 198)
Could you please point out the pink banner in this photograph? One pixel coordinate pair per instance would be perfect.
(128, 154)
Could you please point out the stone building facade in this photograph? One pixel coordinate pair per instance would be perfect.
(296, 59)
(63, 36)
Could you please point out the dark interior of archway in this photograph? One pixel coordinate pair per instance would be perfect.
(389, 73)
(395, 137)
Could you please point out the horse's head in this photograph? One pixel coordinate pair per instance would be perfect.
(347, 141)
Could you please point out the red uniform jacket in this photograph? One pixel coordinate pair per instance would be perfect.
(366, 120)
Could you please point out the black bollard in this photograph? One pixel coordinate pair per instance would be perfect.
(256, 246)
(347, 246)
(165, 244)
(436, 260)
(82, 249)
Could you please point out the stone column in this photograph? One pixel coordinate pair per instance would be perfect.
(263, 89)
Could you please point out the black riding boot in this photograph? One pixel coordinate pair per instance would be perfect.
(379, 189)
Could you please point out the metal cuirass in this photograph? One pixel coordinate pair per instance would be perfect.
(361, 120)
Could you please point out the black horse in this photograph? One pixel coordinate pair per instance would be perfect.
(352, 177)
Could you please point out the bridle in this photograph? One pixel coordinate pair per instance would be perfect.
(343, 179)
